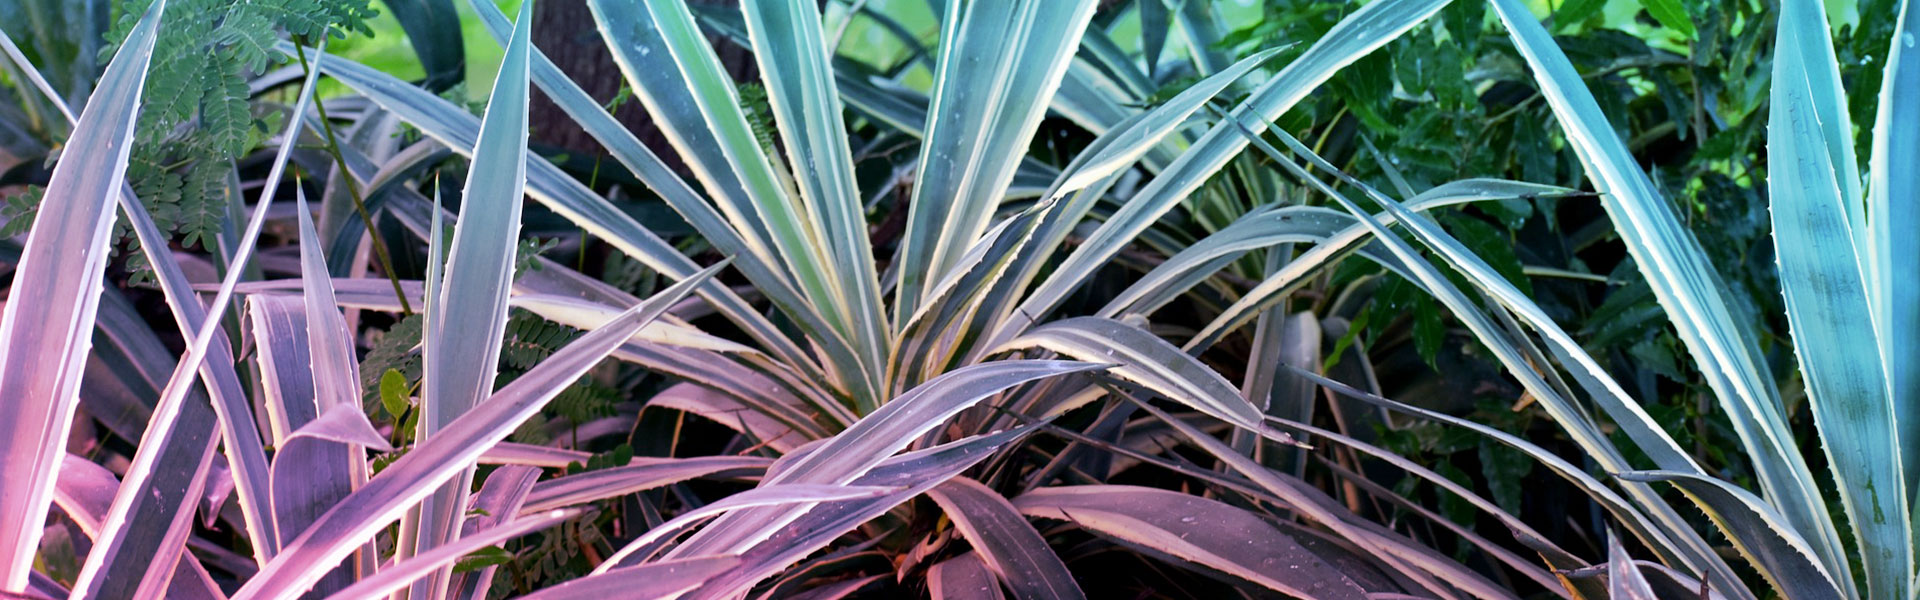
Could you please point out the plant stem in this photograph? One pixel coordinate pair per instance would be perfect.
(353, 192)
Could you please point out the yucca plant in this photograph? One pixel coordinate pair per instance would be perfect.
(955, 368)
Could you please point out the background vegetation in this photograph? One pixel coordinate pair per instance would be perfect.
(1139, 298)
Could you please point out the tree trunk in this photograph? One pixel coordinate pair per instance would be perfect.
(564, 30)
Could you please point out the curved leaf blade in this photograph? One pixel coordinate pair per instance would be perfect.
(48, 322)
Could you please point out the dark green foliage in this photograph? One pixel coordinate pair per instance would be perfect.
(18, 211)
(198, 117)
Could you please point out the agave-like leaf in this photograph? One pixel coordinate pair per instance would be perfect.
(1419, 564)
(1518, 354)
(1195, 529)
(1359, 33)
(942, 329)
(1332, 230)
(403, 572)
(796, 240)
(1005, 540)
(1134, 142)
(662, 580)
(1000, 63)
(434, 462)
(1626, 513)
(1687, 285)
(963, 577)
(279, 327)
(1624, 579)
(1147, 360)
(1529, 567)
(313, 473)
(1554, 554)
(798, 76)
(152, 516)
(510, 453)
(459, 363)
(643, 473)
(915, 472)
(546, 183)
(499, 499)
(85, 493)
(1892, 213)
(1820, 243)
(336, 373)
(1756, 528)
(640, 548)
(843, 458)
(627, 149)
(48, 322)
(726, 410)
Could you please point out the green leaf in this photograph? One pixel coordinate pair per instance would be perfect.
(482, 558)
(1672, 14)
(395, 394)
(1575, 12)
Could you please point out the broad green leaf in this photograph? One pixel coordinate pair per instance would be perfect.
(1687, 286)
(1000, 63)
(1672, 14)
(48, 322)
(1004, 539)
(442, 458)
